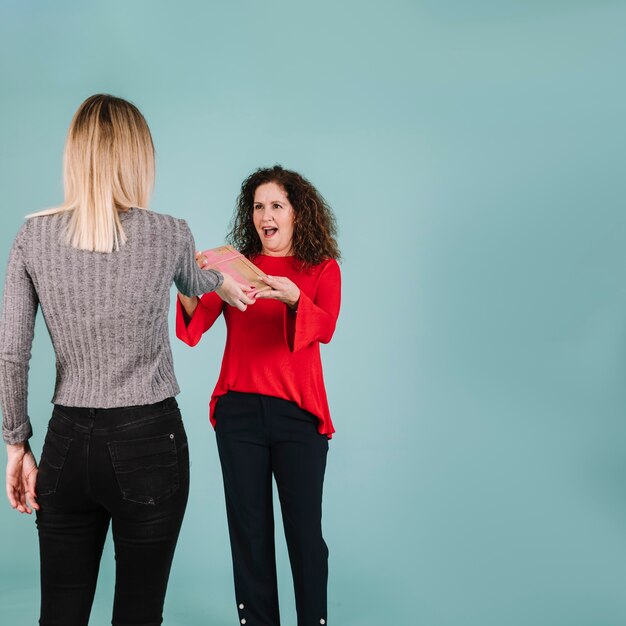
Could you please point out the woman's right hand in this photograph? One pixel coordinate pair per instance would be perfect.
(189, 304)
(232, 293)
(201, 260)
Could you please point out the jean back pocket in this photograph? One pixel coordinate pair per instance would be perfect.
(146, 469)
(53, 455)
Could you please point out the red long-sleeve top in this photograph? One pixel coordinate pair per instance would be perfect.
(270, 349)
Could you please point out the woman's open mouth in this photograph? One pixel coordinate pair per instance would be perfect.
(270, 232)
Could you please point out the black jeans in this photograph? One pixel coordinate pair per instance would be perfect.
(124, 466)
(259, 436)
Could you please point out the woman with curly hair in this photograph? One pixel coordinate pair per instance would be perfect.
(269, 406)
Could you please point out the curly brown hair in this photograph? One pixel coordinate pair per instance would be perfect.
(314, 228)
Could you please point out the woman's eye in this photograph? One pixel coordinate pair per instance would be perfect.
(278, 206)
(257, 207)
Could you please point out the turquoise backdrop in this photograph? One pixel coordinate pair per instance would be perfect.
(473, 152)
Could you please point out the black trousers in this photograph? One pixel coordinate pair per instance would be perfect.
(259, 436)
(128, 467)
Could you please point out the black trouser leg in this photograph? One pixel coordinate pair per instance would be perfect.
(70, 547)
(145, 538)
(245, 459)
(299, 463)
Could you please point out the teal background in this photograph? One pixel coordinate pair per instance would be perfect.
(473, 153)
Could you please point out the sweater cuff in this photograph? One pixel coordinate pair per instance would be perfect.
(18, 435)
(218, 275)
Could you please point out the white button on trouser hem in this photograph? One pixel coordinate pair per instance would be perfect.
(322, 621)
(241, 606)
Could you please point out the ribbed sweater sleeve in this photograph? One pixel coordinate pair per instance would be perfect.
(17, 325)
(190, 279)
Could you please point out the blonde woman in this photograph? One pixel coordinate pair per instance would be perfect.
(115, 452)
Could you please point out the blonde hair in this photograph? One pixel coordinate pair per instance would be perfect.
(108, 166)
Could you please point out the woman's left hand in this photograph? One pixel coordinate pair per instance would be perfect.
(21, 477)
(282, 289)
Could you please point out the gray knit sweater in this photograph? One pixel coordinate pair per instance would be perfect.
(106, 313)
